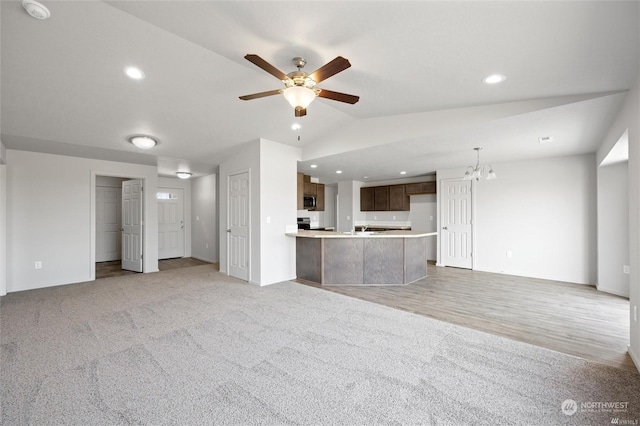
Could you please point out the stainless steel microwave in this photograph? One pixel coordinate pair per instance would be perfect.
(309, 202)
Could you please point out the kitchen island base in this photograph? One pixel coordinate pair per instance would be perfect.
(397, 260)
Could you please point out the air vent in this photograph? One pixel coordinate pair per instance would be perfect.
(545, 139)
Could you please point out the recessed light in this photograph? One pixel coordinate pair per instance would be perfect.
(134, 73)
(494, 79)
(545, 139)
(143, 142)
(313, 166)
(403, 173)
(365, 177)
(183, 175)
(296, 126)
(338, 171)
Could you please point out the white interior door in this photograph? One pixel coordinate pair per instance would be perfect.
(170, 223)
(456, 225)
(238, 245)
(132, 225)
(108, 223)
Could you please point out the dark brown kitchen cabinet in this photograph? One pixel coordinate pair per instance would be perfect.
(366, 199)
(300, 191)
(381, 198)
(319, 197)
(309, 189)
(398, 199)
(419, 188)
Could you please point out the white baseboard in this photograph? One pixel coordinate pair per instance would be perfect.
(613, 291)
(635, 358)
(204, 260)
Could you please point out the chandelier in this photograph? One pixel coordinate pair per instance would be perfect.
(479, 171)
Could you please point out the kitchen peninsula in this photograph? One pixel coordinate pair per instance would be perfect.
(361, 258)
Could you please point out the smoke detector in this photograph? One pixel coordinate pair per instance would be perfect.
(35, 9)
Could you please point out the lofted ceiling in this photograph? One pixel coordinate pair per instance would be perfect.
(417, 67)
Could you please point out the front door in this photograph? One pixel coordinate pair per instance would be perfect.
(456, 224)
(170, 223)
(238, 226)
(132, 225)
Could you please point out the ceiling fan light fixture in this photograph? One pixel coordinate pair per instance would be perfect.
(36, 10)
(299, 96)
(183, 175)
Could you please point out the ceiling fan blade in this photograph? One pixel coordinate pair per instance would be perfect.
(258, 61)
(261, 95)
(301, 112)
(329, 69)
(337, 96)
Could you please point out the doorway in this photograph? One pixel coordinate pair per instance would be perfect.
(456, 244)
(119, 206)
(170, 223)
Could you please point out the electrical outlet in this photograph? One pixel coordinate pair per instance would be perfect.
(348, 217)
(375, 218)
(509, 254)
(206, 245)
(625, 269)
(197, 218)
(38, 264)
(430, 217)
(394, 218)
(635, 313)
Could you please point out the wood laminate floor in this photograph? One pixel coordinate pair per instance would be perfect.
(114, 269)
(570, 318)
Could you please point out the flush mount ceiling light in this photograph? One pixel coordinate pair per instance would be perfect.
(494, 79)
(296, 126)
(403, 173)
(338, 171)
(313, 166)
(183, 175)
(143, 142)
(479, 171)
(35, 9)
(134, 73)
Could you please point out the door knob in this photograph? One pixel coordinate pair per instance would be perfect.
(445, 228)
(229, 230)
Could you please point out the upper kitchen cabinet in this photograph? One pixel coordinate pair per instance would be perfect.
(381, 198)
(366, 199)
(300, 192)
(306, 188)
(392, 197)
(420, 188)
(398, 199)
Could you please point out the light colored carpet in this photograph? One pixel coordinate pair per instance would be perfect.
(192, 347)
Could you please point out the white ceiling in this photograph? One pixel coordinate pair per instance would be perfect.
(417, 67)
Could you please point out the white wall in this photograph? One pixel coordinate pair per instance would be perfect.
(272, 167)
(3, 221)
(204, 214)
(51, 217)
(613, 229)
(348, 205)
(627, 120)
(543, 212)
(423, 217)
(245, 159)
(185, 185)
(278, 191)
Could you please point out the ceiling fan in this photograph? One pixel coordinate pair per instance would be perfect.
(300, 88)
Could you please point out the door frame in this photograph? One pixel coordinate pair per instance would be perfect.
(439, 221)
(185, 219)
(227, 225)
(92, 220)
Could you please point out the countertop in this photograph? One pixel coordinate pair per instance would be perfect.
(377, 234)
